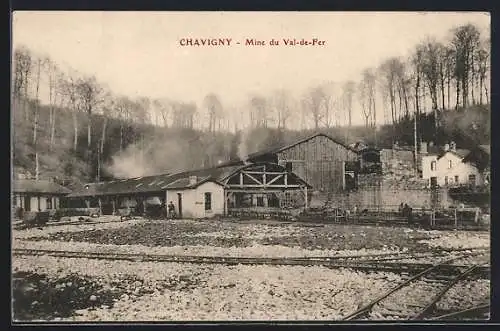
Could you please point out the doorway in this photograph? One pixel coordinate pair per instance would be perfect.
(27, 203)
(179, 204)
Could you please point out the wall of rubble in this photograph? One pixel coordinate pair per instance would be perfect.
(388, 192)
(397, 162)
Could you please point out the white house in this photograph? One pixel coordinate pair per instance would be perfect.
(196, 198)
(449, 168)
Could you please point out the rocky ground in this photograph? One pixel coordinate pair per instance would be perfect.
(64, 289)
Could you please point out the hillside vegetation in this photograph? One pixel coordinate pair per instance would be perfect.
(148, 149)
(84, 131)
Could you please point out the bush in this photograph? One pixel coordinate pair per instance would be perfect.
(76, 212)
(36, 217)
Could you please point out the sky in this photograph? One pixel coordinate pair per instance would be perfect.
(139, 53)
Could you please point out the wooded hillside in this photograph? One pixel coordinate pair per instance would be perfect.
(84, 131)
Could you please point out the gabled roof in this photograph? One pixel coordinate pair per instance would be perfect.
(459, 152)
(284, 146)
(38, 186)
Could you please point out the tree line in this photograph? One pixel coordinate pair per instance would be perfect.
(453, 73)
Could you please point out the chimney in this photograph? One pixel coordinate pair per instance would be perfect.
(192, 180)
(453, 146)
(423, 147)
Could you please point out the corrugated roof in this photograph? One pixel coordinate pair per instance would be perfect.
(38, 186)
(156, 183)
(160, 183)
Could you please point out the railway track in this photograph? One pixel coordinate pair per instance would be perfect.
(389, 306)
(359, 262)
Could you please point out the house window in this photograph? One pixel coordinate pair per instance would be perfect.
(208, 201)
(49, 203)
(445, 180)
(456, 179)
(433, 166)
(260, 201)
(288, 166)
(288, 199)
(472, 179)
(450, 164)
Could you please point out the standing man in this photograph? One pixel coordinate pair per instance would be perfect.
(171, 210)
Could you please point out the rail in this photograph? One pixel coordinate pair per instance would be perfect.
(363, 311)
(329, 262)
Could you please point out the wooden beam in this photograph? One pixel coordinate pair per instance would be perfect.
(252, 178)
(265, 172)
(267, 186)
(274, 179)
(257, 191)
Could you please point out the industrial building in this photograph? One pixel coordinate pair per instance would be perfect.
(202, 193)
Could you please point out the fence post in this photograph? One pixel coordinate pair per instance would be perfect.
(456, 219)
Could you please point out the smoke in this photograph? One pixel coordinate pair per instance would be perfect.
(243, 145)
(129, 163)
(251, 141)
(160, 155)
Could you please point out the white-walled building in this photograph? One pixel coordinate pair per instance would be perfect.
(450, 168)
(37, 195)
(203, 193)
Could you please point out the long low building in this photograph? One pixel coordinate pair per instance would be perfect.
(202, 193)
(37, 195)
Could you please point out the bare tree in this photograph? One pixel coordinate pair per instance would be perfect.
(53, 75)
(482, 60)
(313, 102)
(430, 68)
(387, 71)
(348, 91)
(69, 91)
(23, 66)
(365, 103)
(90, 95)
(215, 111)
(329, 104)
(368, 94)
(282, 104)
(259, 111)
(465, 41)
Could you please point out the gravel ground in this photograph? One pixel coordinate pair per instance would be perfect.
(212, 292)
(119, 291)
(200, 250)
(219, 234)
(455, 299)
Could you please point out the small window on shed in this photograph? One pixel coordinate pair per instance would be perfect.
(208, 201)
